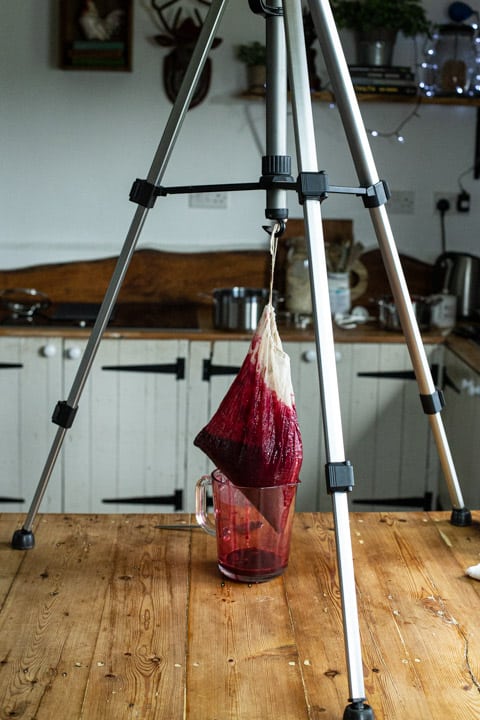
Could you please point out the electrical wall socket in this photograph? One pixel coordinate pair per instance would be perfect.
(452, 199)
(401, 202)
(209, 200)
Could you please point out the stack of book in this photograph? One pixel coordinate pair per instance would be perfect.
(91, 53)
(383, 80)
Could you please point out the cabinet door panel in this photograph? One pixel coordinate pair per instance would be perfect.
(386, 434)
(198, 407)
(128, 439)
(461, 417)
(30, 385)
(311, 493)
(207, 388)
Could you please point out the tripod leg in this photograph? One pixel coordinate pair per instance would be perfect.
(432, 401)
(64, 414)
(337, 468)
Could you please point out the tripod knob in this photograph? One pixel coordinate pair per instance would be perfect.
(73, 353)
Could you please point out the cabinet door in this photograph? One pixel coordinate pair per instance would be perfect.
(212, 368)
(461, 417)
(387, 435)
(126, 449)
(30, 385)
(311, 494)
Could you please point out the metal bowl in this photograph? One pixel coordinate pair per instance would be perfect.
(23, 302)
(389, 319)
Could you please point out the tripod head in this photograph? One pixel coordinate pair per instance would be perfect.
(259, 7)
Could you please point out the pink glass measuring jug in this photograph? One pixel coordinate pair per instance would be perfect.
(252, 525)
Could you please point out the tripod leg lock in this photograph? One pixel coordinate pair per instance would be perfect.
(376, 195)
(144, 193)
(339, 477)
(312, 185)
(64, 414)
(434, 403)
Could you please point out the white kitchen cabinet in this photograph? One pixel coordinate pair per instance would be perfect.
(127, 444)
(30, 385)
(145, 401)
(461, 417)
(386, 434)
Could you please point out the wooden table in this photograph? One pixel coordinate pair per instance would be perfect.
(112, 617)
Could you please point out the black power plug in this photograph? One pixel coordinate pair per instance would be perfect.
(463, 202)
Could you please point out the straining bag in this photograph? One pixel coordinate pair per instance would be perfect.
(254, 437)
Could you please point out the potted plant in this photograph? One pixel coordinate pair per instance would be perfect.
(377, 22)
(254, 55)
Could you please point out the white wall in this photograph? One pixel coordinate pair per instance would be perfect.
(73, 142)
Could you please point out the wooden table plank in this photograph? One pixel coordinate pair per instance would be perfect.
(49, 622)
(138, 664)
(95, 622)
(416, 609)
(9, 562)
(242, 662)
(314, 599)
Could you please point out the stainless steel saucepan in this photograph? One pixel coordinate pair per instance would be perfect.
(240, 308)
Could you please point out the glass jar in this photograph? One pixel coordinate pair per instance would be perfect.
(298, 299)
(452, 61)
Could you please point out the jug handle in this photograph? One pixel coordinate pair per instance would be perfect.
(201, 505)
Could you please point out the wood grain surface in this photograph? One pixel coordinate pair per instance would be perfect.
(114, 617)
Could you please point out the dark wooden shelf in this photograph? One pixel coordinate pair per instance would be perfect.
(328, 96)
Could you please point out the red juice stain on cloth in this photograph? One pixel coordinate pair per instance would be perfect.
(253, 437)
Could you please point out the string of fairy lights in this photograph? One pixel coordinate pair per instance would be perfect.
(397, 131)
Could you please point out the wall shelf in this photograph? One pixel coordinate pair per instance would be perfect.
(328, 96)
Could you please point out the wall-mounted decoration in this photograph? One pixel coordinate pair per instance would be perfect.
(180, 33)
(96, 35)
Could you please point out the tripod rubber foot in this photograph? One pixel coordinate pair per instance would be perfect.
(462, 517)
(358, 711)
(23, 540)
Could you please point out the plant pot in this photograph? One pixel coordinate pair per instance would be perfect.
(375, 47)
(256, 79)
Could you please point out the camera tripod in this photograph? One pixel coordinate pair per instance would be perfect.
(286, 50)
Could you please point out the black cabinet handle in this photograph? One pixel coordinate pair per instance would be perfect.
(209, 370)
(11, 500)
(177, 368)
(8, 366)
(176, 499)
(399, 374)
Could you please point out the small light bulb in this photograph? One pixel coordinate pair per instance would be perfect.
(374, 133)
(400, 138)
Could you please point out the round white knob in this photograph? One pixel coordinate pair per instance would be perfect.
(310, 356)
(73, 353)
(48, 350)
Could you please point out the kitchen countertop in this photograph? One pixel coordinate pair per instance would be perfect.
(112, 616)
(126, 326)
